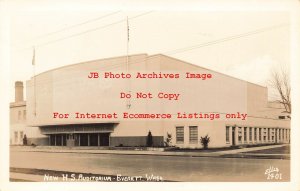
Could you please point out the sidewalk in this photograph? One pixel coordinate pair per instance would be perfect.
(240, 153)
(243, 150)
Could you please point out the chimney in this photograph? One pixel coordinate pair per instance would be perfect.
(19, 91)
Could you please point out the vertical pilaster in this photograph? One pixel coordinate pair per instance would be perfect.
(230, 135)
(79, 140)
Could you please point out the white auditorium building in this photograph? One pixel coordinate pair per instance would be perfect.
(55, 96)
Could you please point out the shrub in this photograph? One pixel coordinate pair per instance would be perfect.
(25, 140)
(168, 141)
(204, 141)
(149, 139)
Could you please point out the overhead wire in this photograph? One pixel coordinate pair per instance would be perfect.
(75, 25)
(180, 50)
(229, 38)
(87, 31)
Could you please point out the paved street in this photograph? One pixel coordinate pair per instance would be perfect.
(175, 168)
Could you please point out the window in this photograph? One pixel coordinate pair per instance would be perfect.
(21, 135)
(265, 134)
(245, 133)
(180, 134)
(240, 134)
(268, 134)
(193, 134)
(16, 137)
(255, 134)
(227, 134)
(19, 115)
(259, 134)
(279, 134)
(286, 132)
(250, 133)
(24, 114)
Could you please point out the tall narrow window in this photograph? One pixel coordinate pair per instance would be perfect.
(24, 114)
(179, 134)
(240, 134)
(21, 136)
(16, 137)
(193, 134)
(245, 133)
(255, 134)
(279, 132)
(250, 133)
(268, 134)
(227, 134)
(19, 115)
(259, 134)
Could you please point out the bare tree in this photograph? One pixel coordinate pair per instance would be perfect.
(280, 81)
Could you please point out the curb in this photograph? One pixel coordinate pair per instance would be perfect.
(233, 155)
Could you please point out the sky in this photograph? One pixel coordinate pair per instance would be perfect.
(243, 44)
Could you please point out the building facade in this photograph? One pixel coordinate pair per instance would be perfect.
(18, 116)
(19, 128)
(57, 97)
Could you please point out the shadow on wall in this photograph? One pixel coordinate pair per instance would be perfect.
(158, 141)
(43, 141)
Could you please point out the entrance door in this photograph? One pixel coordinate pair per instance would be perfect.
(58, 140)
(52, 140)
(64, 139)
(84, 139)
(233, 136)
(94, 139)
(104, 139)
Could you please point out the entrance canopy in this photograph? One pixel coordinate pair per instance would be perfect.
(95, 134)
(78, 128)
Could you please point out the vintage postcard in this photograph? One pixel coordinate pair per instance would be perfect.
(152, 95)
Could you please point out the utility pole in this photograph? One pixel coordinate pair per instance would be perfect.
(128, 104)
(34, 80)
